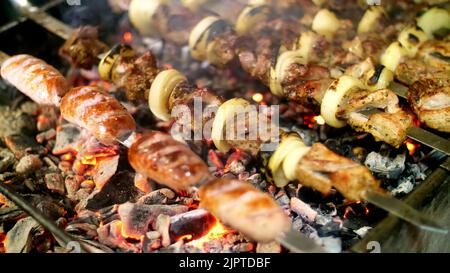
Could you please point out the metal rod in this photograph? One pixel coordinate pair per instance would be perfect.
(39, 217)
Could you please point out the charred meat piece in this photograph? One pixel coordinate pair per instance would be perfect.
(430, 100)
(243, 207)
(323, 169)
(83, 48)
(169, 162)
(97, 111)
(35, 78)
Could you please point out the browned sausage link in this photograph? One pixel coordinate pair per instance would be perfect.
(35, 78)
(243, 207)
(97, 111)
(159, 157)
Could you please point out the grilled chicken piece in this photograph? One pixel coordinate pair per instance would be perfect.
(389, 126)
(386, 127)
(323, 170)
(432, 61)
(430, 100)
(243, 207)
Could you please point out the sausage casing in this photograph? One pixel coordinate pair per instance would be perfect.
(169, 162)
(96, 110)
(35, 78)
(244, 208)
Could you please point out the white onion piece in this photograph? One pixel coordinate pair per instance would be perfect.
(385, 78)
(370, 18)
(278, 74)
(326, 23)
(306, 44)
(288, 145)
(333, 97)
(198, 40)
(247, 19)
(226, 111)
(433, 20)
(411, 39)
(162, 87)
(194, 5)
(292, 160)
(393, 55)
(141, 14)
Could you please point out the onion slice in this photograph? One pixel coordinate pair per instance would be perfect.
(226, 111)
(162, 87)
(333, 97)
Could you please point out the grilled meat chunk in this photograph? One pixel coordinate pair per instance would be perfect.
(430, 100)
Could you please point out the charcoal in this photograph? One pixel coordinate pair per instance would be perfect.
(67, 139)
(331, 244)
(88, 231)
(7, 159)
(273, 247)
(19, 238)
(22, 145)
(72, 184)
(111, 235)
(161, 196)
(137, 217)
(88, 184)
(301, 208)
(50, 163)
(28, 164)
(118, 190)
(153, 235)
(142, 183)
(385, 166)
(105, 170)
(55, 183)
(243, 247)
(10, 213)
(195, 223)
(15, 122)
(362, 231)
(329, 229)
(45, 136)
(162, 224)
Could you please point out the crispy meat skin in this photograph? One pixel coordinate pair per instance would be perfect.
(244, 208)
(323, 169)
(159, 157)
(95, 110)
(83, 47)
(35, 78)
(430, 100)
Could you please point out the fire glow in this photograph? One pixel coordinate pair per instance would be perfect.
(411, 146)
(216, 232)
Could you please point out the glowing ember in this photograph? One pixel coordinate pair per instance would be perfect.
(127, 37)
(67, 157)
(411, 146)
(216, 232)
(2, 243)
(348, 210)
(258, 97)
(311, 121)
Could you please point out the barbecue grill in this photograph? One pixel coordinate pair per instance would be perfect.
(111, 207)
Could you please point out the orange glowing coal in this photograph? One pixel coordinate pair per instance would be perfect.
(411, 146)
(258, 97)
(127, 37)
(216, 232)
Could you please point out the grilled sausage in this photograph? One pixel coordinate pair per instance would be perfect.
(160, 157)
(94, 109)
(35, 78)
(243, 207)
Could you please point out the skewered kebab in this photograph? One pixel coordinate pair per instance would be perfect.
(211, 39)
(169, 89)
(156, 155)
